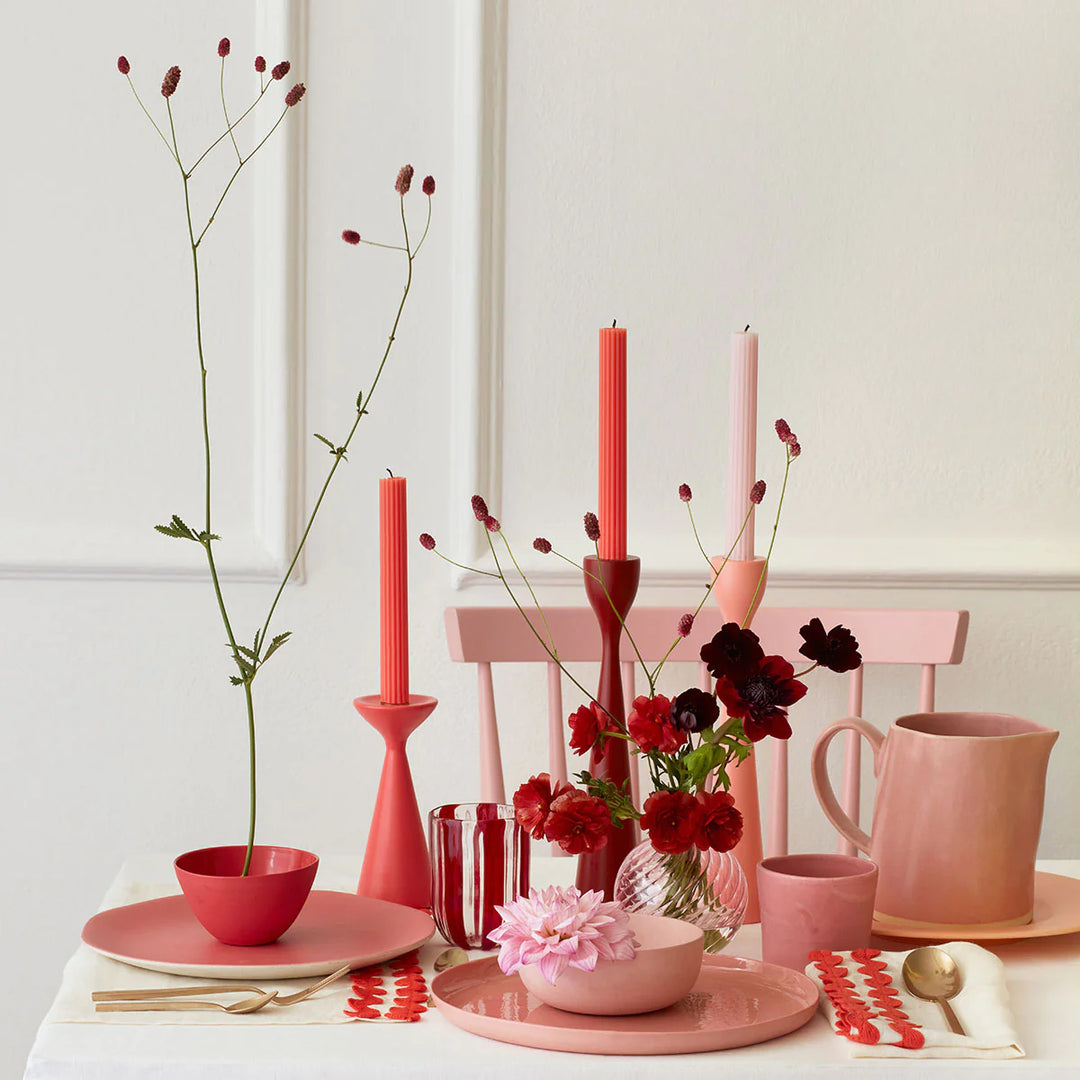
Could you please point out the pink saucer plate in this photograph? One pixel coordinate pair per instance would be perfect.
(333, 929)
(1056, 911)
(735, 1002)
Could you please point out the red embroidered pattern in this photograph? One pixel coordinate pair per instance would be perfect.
(410, 991)
(854, 1016)
(367, 985)
(884, 994)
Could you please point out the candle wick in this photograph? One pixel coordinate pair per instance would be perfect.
(391, 475)
(747, 327)
(612, 324)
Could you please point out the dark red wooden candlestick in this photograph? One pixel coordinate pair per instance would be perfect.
(597, 870)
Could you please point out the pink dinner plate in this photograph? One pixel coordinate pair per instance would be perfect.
(333, 929)
(735, 1002)
(1056, 911)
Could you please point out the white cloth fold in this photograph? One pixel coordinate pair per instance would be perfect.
(864, 997)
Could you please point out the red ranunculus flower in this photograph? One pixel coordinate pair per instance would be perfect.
(760, 697)
(532, 802)
(721, 823)
(588, 724)
(578, 822)
(733, 651)
(837, 650)
(650, 726)
(671, 819)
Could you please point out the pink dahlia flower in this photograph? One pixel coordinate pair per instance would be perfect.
(560, 928)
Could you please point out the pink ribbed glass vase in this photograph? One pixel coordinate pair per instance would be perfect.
(705, 888)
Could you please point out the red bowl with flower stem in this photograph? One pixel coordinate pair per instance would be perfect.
(246, 909)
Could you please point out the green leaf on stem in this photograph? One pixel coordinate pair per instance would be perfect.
(176, 528)
(324, 439)
(276, 643)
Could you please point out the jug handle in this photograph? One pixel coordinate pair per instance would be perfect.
(823, 786)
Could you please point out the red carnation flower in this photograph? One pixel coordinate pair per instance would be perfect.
(351, 236)
(650, 726)
(761, 697)
(295, 94)
(757, 492)
(837, 650)
(686, 624)
(223, 47)
(479, 508)
(427, 541)
(429, 185)
(260, 64)
(588, 724)
(170, 82)
(672, 819)
(592, 527)
(578, 822)
(122, 65)
(542, 545)
(404, 180)
(733, 649)
(532, 801)
(685, 493)
(721, 824)
(279, 71)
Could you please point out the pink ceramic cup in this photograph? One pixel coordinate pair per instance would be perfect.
(814, 902)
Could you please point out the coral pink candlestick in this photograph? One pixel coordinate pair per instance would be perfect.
(393, 592)
(735, 594)
(613, 443)
(742, 442)
(396, 857)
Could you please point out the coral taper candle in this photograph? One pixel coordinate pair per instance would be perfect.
(612, 511)
(393, 592)
(742, 441)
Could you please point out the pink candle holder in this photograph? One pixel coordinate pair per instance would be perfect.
(735, 592)
(396, 857)
(610, 598)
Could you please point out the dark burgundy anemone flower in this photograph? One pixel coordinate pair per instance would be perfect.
(733, 650)
(694, 710)
(836, 650)
(761, 698)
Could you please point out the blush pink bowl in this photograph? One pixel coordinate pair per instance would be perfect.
(251, 910)
(666, 966)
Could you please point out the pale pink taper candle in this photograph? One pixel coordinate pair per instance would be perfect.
(742, 441)
(393, 592)
(612, 509)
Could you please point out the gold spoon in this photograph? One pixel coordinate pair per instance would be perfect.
(931, 973)
(449, 958)
(248, 1005)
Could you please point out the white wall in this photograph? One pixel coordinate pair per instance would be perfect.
(888, 193)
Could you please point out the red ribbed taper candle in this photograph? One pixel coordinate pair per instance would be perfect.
(393, 592)
(612, 511)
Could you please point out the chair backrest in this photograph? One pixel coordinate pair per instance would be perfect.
(493, 635)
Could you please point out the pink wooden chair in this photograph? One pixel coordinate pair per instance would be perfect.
(497, 635)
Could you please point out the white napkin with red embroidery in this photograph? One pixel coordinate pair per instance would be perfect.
(864, 996)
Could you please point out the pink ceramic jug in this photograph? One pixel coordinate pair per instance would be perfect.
(956, 817)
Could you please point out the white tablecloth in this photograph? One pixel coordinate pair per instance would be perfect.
(1043, 977)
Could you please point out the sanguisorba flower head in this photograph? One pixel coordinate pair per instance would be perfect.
(592, 527)
(223, 47)
(491, 523)
(350, 236)
(427, 541)
(685, 493)
(543, 545)
(561, 928)
(260, 64)
(429, 185)
(170, 82)
(757, 492)
(686, 624)
(295, 94)
(279, 71)
(404, 180)
(122, 65)
(479, 508)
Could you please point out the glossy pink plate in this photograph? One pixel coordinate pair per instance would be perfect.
(333, 929)
(1056, 911)
(735, 1002)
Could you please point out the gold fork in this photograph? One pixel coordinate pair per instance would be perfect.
(248, 1005)
(220, 988)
